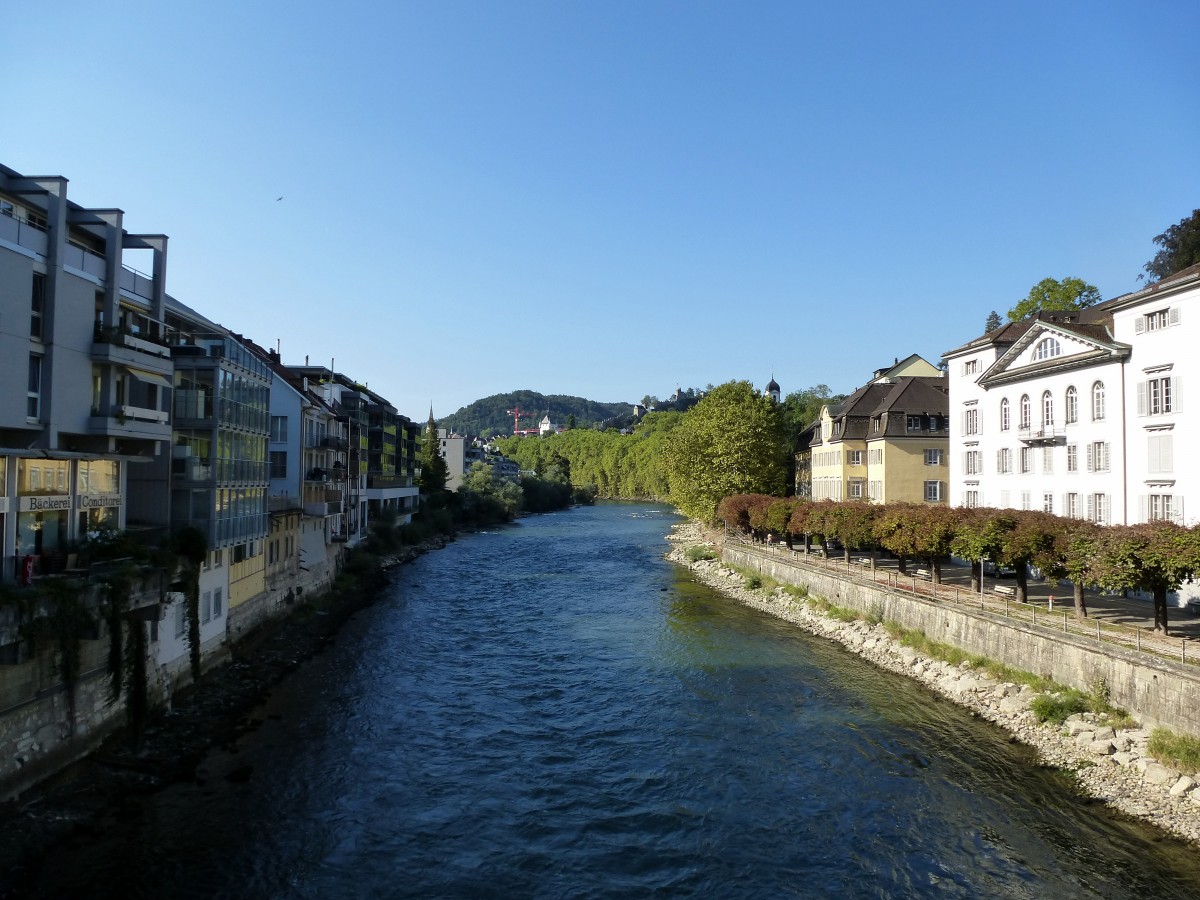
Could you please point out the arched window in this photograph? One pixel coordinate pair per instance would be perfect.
(1024, 411)
(1097, 401)
(1004, 421)
(1047, 409)
(1072, 405)
(1047, 348)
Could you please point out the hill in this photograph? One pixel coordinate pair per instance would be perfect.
(491, 415)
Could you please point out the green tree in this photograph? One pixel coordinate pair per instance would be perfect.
(1070, 555)
(1049, 295)
(434, 471)
(993, 322)
(800, 409)
(730, 442)
(1179, 247)
(1156, 557)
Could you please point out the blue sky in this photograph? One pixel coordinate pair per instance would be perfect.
(609, 199)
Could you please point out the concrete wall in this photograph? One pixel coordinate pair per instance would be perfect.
(1154, 691)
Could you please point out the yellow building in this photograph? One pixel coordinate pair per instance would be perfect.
(886, 442)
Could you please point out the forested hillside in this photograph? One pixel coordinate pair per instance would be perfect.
(491, 415)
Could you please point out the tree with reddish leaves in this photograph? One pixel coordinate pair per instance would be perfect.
(894, 529)
(777, 517)
(933, 533)
(1156, 557)
(1071, 555)
(978, 536)
(735, 509)
(1031, 534)
(820, 521)
(798, 522)
(850, 522)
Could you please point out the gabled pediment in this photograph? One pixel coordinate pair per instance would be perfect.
(1049, 347)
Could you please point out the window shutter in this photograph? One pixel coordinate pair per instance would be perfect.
(1139, 324)
(1104, 468)
(1153, 455)
(1178, 513)
(1091, 507)
(1166, 453)
(1091, 457)
(1143, 511)
(1175, 394)
(1107, 508)
(1173, 316)
(1141, 398)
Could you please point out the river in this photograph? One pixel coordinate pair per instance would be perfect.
(551, 709)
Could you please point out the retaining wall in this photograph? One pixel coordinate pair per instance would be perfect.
(1154, 691)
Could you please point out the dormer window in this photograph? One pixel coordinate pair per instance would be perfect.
(1047, 348)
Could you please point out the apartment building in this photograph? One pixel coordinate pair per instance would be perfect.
(1082, 413)
(886, 442)
(84, 332)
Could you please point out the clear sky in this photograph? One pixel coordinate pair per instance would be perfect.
(612, 198)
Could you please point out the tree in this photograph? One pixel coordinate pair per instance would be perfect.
(978, 536)
(800, 409)
(993, 322)
(434, 471)
(1156, 557)
(1179, 247)
(1049, 295)
(1074, 546)
(730, 442)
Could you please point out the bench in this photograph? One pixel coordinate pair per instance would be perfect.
(1193, 606)
(1005, 590)
(923, 573)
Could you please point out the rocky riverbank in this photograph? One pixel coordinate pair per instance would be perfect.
(1111, 765)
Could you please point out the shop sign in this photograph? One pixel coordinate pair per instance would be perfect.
(46, 504)
(99, 501)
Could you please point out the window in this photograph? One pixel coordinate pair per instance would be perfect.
(971, 499)
(1026, 499)
(1160, 508)
(217, 607)
(1098, 508)
(1157, 320)
(933, 491)
(218, 558)
(972, 462)
(37, 306)
(970, 421)
(1025, 411)
(855, 457)
(33, 407)
(278, 459)
(914, 423)
(1047, 409)
(1097, 456)
(1047, 348)
(1004, 461)
(1073, 506)
(1156, 397)
(1072, 457)
(856, 489)
(180, 618)
(1160, 454)
(1004, 415)
(971, 367)
(932, 457)
(278, 429)
(206, 607)
(1072, 411)
(1047, 502)
(1098, 401)
(1026, 460)
(1047, 460)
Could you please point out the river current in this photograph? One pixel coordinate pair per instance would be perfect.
(551, 709)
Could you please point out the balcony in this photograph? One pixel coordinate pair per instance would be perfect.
(1042, 435)
(283, 503)
(334, 442)
(131, 422)
(321, 476)
(324, 508)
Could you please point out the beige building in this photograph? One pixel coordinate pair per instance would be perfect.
(887, 442)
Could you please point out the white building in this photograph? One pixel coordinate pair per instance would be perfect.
(1081, 413)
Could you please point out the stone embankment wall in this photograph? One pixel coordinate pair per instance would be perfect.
(1155, 691)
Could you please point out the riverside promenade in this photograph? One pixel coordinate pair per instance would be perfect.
(1126, 621)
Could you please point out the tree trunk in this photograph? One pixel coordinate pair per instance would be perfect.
(976, 577)
(1160, 610)
(1080, 605)
(902, 564)
(935, 566)
(1022, 583)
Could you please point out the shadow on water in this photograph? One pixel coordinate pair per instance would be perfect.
(552, 710)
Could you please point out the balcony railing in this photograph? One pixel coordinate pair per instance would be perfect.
(1041, 434)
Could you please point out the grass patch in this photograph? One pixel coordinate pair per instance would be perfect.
(926, 646)
(797, 591)
(1057, 707)
(698, 553)
(753, 582)
(1180, 750)
(874, 613)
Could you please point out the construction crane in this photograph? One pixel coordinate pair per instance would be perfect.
(516, 414)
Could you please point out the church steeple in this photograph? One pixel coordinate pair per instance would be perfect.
(773, 389)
